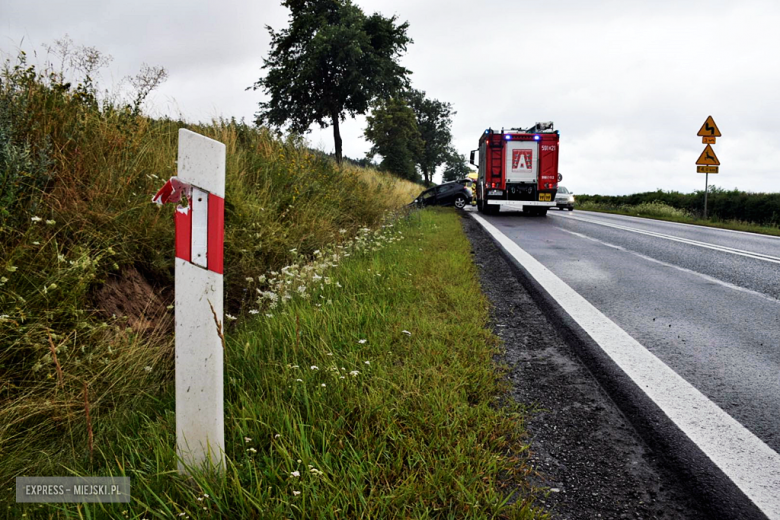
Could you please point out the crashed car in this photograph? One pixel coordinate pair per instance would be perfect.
(448, 194)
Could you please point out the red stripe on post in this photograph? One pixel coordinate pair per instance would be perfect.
(183, 221)
(216, 236)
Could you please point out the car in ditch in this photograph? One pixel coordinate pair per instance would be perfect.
(447, 194)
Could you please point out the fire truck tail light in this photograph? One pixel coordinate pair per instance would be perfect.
(536, 138)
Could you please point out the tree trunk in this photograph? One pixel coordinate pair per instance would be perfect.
(426, 176)
(336, 136)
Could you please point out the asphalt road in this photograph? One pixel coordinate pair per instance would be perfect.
(706, 302)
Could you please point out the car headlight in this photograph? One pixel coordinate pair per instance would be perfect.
(495, 192)
(571, 198)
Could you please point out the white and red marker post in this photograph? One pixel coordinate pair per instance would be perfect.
(200, 232)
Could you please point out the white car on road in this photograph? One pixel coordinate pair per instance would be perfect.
(564, 199)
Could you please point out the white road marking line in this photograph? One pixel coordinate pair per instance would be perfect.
(670, 222)
(683, 269)
(724, 249)
(752, 465)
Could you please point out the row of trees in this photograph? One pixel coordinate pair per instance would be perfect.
(333, 61)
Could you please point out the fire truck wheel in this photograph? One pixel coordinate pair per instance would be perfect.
(460, 202)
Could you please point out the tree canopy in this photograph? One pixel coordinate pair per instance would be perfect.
(455, 166)
(392, 127)
(434, 121)
(332, 61)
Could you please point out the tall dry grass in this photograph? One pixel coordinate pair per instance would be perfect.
(76, 179)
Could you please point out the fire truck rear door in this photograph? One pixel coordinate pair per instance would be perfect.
(522, 161)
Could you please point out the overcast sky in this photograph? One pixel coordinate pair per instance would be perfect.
(627, 83)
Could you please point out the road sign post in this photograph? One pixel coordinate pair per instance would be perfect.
(708, 161)
(200, 432)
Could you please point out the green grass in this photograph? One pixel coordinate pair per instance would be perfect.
(397, 420)
(661, 211)
(86, 260)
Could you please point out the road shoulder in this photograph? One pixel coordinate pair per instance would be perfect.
(582, 447)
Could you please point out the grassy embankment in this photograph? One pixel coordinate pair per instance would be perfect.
(398, 425)
(751, 212)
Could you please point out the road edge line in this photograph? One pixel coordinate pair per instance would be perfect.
(747, 463)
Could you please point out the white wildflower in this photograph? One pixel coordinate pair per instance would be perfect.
(361, 341)
(230, 317)
(51, 222)
(296, 493)
(254, 311)
(270, 295)
(406, 332)
(323, 385)
(367, 362)
(250, 279)
(11, 268)
(295, 474)
(36, 219)
(148, 368)
(314, 367)
(251, 450)
(354, 373)
(277, 435)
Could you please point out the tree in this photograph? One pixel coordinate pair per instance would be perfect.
(455, 166)
(392, 127)
(434, 119)
(331, 61)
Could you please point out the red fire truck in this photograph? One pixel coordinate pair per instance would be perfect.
(518, 169)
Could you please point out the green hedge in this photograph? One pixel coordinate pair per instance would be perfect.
(759, 208)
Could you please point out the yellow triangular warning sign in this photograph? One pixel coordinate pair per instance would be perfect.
(709, 128)
(708, 157)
